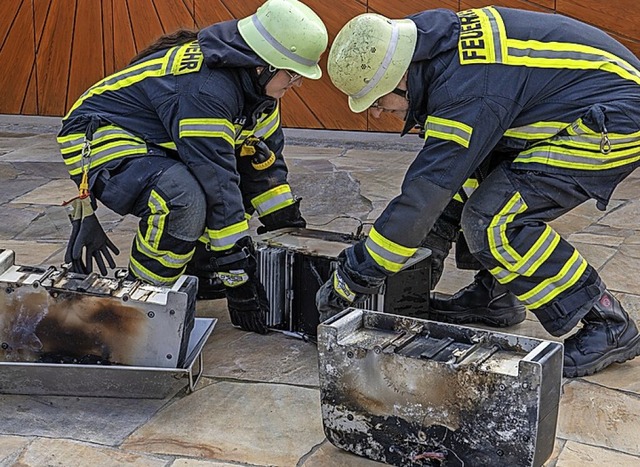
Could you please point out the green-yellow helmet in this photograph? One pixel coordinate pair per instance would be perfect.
(369, 56)
(286, 34)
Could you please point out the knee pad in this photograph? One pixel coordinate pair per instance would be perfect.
(187, 203)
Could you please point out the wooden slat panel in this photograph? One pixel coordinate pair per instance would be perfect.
(549, 4)
(54, 56)
(124, 48)
(242, 8)
(40, 11)
(87, 56)
(107, 36)
(175, 14)
(30, 103)
(620, 16)
(324, 100)
(522, 4)
(295, 114)
(17, 56)
(210, 11)
(397, 10)
(10, 9)
(145, 22)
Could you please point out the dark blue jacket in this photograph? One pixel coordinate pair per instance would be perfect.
(555, 94)
(197, 102)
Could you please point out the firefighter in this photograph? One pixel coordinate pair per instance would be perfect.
(543, 112)
(188, 139)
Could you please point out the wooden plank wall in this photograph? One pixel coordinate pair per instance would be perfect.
(52, 50)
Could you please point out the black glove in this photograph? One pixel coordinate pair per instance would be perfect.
(288, 216)
(345, 288)
(94, 241)
(75, 216)
(246, 298)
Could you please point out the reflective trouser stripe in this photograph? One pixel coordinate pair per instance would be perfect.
(468, 188)
(389, 255)
(272, 200)
(226, 238)
(157, 257)
(548, 248)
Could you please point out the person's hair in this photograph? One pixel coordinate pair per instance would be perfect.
(179, 37)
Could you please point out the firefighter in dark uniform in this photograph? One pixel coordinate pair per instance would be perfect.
(525, 116)
(188, 139)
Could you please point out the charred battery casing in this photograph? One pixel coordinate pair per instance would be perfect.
(55, 316)
(412, 392)
(294, 263)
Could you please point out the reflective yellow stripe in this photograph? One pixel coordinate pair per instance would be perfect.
(388, 254)
(169, 145)
(265, 128)
(451, 130)
(550, 288)
(568, 55)
(532, 260)
(496, 233)
(225, 238)
(273, 200)
(482, 36)
(579, 159)
(536, 130)
(468, 187)
(143, 273)
(122, 79)
(207, 128)
(159, 212)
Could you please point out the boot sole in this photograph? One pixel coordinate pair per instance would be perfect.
(478, 315)
(629, 352)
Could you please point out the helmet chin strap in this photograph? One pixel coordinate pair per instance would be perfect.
(265, 76)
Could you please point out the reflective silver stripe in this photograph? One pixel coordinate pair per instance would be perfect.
(208, 128)
(386, 61)
(552, 287)
(106, 153)
(495, 30)
(386, 254)
(499, 246)
(541, 130)
(277, 45)
(533, 259)
(224, 243)
(146, 275)
(595, 160)
(269, 125)
(158, 211)
(572, 55)
(165, 258)
(272, 204)
(438, 128)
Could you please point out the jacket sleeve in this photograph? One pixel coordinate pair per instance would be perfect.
(204, 133)
(265, 190)
(457, 139)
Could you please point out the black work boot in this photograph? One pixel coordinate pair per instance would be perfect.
(484, 301)
(608, 336)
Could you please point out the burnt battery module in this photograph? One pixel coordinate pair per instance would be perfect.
(412, 392)
(294, 263)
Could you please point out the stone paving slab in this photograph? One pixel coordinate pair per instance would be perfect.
(55, 452)
(106, 421)
(258, 404)
(598, 416)
(259, 424)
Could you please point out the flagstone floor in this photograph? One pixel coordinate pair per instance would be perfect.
(258, 402)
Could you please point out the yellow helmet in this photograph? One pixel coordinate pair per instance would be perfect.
(369, 56)
(286, 34)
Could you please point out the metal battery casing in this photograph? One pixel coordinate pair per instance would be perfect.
(412, 392)
(294, 263)
(55, 316)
